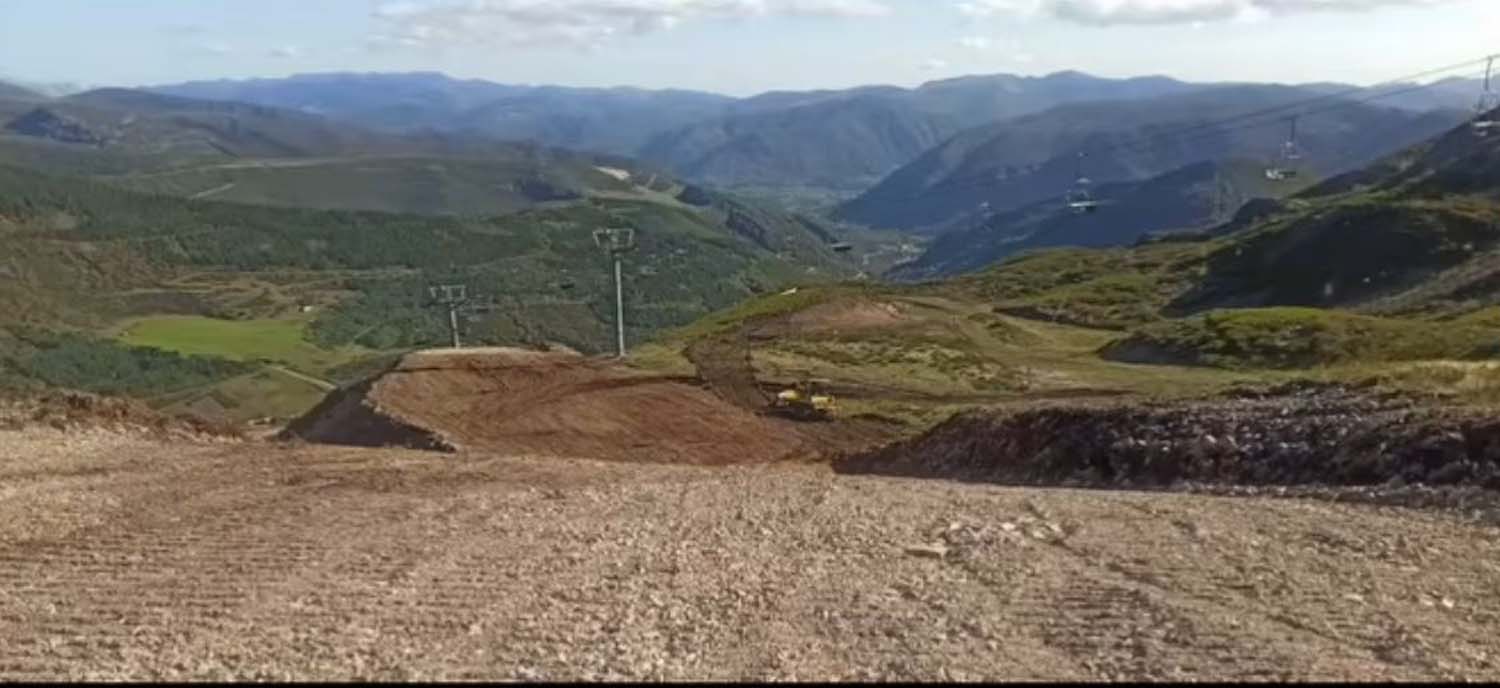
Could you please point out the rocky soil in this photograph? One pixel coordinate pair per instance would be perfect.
(126, 557)
(1302, 434)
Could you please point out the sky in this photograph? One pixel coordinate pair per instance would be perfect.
(739, 47)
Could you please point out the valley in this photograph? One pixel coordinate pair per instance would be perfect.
(991, 377)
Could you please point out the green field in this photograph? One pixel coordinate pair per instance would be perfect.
(278, 340)
(268, 392)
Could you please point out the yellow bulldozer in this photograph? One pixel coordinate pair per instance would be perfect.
(805, 401)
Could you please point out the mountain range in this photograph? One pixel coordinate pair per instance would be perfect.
(266, 155)
(956, 166)
(839, 140)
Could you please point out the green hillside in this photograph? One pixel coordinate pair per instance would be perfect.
(312, 291)
(1300, 338)
(432, 186)
(1389, 276)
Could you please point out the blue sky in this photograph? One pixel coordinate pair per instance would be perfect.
(739, 46)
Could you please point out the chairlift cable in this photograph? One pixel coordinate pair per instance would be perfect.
(1218, 128)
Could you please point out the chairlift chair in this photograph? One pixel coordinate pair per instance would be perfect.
(1079, 199)
(1489, 101)
(1285, 166)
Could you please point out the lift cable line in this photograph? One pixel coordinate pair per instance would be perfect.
(1247, 120)
(1340, 95)
(1146, 142)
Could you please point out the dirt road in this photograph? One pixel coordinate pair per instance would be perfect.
(128, 559)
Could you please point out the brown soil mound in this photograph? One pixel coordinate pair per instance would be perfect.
(547, 403)
(1296, 435)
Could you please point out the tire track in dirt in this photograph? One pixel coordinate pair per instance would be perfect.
(1227, 578)
(266, 562)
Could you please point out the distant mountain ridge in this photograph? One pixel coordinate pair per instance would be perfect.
(838, 139)
(850, 139)
(10, 91)
(614, 120)
(273, 156)
(842, 140)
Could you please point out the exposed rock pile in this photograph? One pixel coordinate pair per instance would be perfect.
(1304, 434)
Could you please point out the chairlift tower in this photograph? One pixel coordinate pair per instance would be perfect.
(453, 297)
(617, 242)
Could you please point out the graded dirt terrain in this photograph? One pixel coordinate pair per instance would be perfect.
(514, 401)
(122, 557)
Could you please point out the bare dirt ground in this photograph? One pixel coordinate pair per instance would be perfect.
(518, 402)
(122, 557)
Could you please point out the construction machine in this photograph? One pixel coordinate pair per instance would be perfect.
(805, 401)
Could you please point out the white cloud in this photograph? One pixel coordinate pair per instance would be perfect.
(986, 8)
(212, 47)
(437, 23)
(933, 64)
(286, 52)
(1111, 12)
(976, 42)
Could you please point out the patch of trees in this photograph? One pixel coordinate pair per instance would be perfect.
(102, 366)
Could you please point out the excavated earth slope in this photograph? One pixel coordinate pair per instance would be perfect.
(1299, 434)
(515, 401)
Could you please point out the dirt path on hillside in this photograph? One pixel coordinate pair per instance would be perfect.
(129, 559)
(724, 363)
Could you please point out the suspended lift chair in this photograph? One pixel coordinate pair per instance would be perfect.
(1285, 166)
(1485, 120)
(1080, 199)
